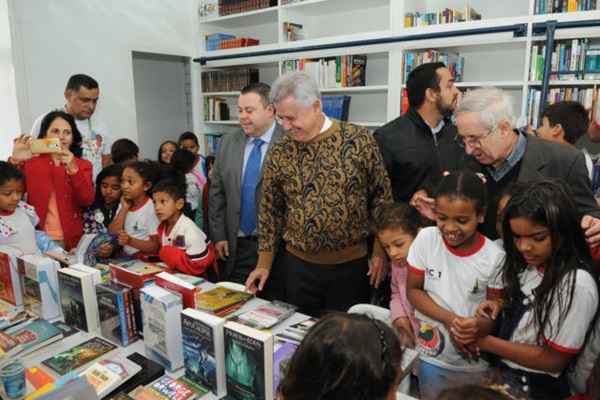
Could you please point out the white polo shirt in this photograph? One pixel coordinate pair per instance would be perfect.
(456, 281)
(140, 223)
(185, 235)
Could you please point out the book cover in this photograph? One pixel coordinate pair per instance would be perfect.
(149, 372)
(37, 377)
(219, 298)
(35, 334)
(187, 290)
(108, 374)
(79, 355)
(66, 330)
(39, 279)
(266, 315)
(161, 311)
(248, 362)
(10, 285)
(135, 273)
(112, 312)
(281, 359)
(203, 351)
(71, 300)
(172, 389)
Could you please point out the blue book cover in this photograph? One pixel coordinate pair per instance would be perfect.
(34, 333)
(199, 352)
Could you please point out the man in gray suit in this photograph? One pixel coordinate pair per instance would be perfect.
(235, 188)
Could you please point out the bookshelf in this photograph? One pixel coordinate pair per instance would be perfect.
(500, 59)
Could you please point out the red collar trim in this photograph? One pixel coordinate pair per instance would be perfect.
(141, 205)
(6, 213)
(466, 253)
(540, 268)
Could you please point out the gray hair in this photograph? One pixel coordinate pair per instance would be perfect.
(492, 104)
(299, 85)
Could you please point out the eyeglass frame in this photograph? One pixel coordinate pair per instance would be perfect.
(475, 142)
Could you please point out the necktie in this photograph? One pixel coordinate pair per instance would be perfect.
(248, 201)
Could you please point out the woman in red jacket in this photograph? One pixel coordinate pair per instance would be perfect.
(59, 185)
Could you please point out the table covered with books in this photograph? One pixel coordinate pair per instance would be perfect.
(132, 330)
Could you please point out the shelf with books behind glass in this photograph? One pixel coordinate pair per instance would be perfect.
(564, 6)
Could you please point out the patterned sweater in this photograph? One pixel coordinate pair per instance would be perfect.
(321, 197)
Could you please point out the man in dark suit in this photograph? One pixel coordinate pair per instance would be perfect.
(235, 188)
(484, 121)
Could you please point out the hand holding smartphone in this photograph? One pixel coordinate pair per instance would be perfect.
(45, 146)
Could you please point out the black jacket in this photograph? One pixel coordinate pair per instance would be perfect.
(413, 159)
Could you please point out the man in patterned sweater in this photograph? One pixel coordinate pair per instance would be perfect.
(323, 184)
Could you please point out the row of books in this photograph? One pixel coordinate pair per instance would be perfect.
(220, 41)
(332, 72)
(211, 142)
(561, 6)
(445, 16)
(227, 7)
(586, 96)
(453, 61)
(572, 59)
(337, 107)
(292, 31)
(216, 109)
(228, 79)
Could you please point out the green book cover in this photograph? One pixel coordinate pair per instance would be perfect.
(78, 356)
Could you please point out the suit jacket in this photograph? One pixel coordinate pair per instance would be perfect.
(545, 159)
(73, 193)
(225, 190)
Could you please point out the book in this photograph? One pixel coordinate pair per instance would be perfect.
(296, 332)
(248, 362)
(114, 313)
(108, 374)
(135, 273)
(281, 359)
(199, 391)
(9, 347)
(11, 315)
(149, 372)
(203, 350)
(267, 315)
(219, 298)
(161, 311)
(188, 291)
(96, 274)
(37, 377)
(34, 335)
(66, 330)
(75, 387)
(172, 388)
(78, 299)
(39, 279)
(78, 356)
(10, 283)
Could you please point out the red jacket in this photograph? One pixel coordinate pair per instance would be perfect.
(73, 193)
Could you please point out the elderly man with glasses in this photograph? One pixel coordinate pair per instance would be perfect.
(484, 121)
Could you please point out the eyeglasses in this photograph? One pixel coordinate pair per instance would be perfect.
(473, 141)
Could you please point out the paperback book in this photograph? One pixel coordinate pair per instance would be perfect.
(78, 356)
(40, 285)
(220, 298)
(108, 374)
(267, 315)
(34, 335)
(296, 332)
(10, 283)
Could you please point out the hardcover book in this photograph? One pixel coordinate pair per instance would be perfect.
(220, 298)
(78, 299)
(135, 273)
(188, 291)
(79, 355)
(203, 350)
(40, 285)
(161, 311)
(248, 362)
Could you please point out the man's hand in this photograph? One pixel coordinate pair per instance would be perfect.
(591, 229)
(377, 271)
(424, 204)
(259, 275)
(405, 331)
(222, 249)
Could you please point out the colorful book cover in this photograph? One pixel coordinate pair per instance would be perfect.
(172, 389)
(199, 352)
(219, 298)
(71, 300)
(267, 315)
(34, 333)
(79, 355)
(244, 366)
(40, 285)
(106, 375)
(281, 359)
(9, 281)
(112, 312)
(198, 389)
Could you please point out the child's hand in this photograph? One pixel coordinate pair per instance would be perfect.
(125, 204)
(465, 330)
(489, 309)
(123, 238)
(405, 331)
(105, 250)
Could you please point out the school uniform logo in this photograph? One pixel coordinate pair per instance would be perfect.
(430, 341)
(433, 274)
(179, 241)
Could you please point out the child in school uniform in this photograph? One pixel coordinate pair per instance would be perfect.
(452, 268)
(136, 222)
(551, 292)
(184, 247)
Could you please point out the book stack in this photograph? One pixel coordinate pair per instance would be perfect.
(337, 107)
(453, 61)
(213, 40)
(227, 7)
(216, 109)
(39, 280)
(445, 16)
(561, 6)
(572, 59)
(586, 96)
(332, 72)
(211, 142)
(228, 80)
(234, 43)
(34, 335)
(117, 314)
(296, 332)
(78, 299)
(221, 301)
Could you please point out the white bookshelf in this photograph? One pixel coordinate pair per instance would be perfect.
(493, 59)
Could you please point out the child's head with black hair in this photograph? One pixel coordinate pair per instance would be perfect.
(397, 227)
(169, 200)
(165, 151)
(138, 178)
(189, 141)
(460, 204)
(349, 367)
(183, 160)
(12, 187)
(564, 122)
(124, 150)
(108, 186)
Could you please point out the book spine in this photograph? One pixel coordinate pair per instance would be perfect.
(122, 318)
(129, 324)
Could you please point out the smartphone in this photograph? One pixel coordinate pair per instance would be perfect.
(45, 145)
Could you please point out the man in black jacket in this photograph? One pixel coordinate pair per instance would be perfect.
(419, 145)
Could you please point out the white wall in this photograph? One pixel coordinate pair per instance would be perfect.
(160, 98)
(58, 38)
(9, 113)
